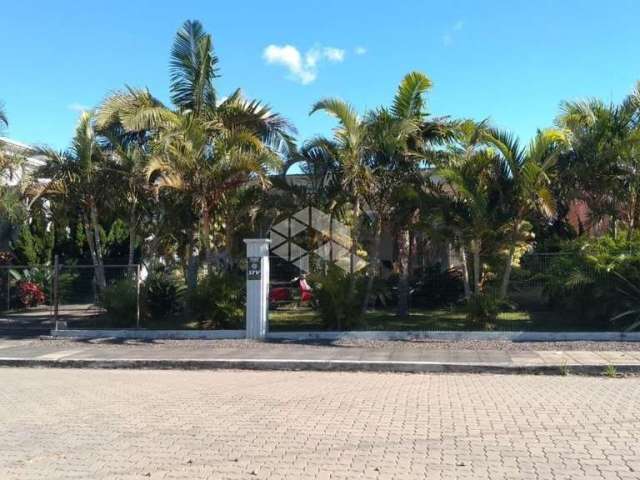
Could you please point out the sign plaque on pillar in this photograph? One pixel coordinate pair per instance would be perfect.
(254, 268)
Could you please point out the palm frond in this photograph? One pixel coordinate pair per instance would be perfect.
(340, 109)
(192, 68)
(136, 110)
(508, 145)
(408, 101)
(274, 130)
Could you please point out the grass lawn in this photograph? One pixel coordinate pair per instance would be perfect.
(293, 318)
(435, 319)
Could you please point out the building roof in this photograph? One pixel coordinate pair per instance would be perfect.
(14, 148)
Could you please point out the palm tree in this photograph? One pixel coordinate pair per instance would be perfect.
(408, 110)
(350, 144)
(80, 175)
(603, 165)
(388, 141)
(317, 162)
(129, 157)
(527, 190)
(185, 160)
(404, 138)
(465, 201)
(469, 204)
(203, 147)
(380, 162)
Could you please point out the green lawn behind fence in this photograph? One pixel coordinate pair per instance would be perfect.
(301, 319)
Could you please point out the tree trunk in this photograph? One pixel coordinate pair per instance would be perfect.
(206, 240)
(465, 272)
(475, 249)
(354, 238)
(98, 262)
(403, 283)
(507, 271)
(373, 265)
(88, 231)
(354, 248)
(412, 252)
(191, 276)
(504, 285)
(132, 237)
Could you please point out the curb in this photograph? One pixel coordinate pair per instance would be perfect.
(515, 336)
(319, 365)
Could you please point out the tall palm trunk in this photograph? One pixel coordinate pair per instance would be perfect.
(354, 239)
(403, 283)
(88, 231)
(191, 267)
(504, 285)
(465, 271)
(206, 240)
(132, 236)
(374, 267)
(97, 258)
(354, 249)
(477, 274)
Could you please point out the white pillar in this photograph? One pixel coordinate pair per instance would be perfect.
(257, 286)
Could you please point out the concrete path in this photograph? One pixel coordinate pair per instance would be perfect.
(383, 356)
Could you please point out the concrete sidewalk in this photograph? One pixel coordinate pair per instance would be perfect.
(242, 354)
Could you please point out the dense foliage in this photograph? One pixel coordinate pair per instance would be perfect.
(179, 186)
(594, 279)
(338, 297)
(217, 301)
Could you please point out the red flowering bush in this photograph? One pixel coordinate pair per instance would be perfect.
(30, 294)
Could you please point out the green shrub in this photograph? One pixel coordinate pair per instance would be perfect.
(218, 301)
(161, 295)
(589, 279)
(437, 288)
(338, 296)
(67, 284)
(120, 302)
(482, 311)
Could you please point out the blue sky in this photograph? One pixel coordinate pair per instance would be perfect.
(512, 61)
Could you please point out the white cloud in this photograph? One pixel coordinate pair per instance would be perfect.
(334, 54)
(449, 37)
(78, 107)
(289, 57)
(303, 69)
(360, 50)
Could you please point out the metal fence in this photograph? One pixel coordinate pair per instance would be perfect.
(127, 296)
(537, 297)
(84, 294)
(79, 294)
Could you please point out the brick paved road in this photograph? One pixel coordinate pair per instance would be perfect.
(96, 424)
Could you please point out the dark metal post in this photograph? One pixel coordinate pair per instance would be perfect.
(56, 299)
(8, 289)
(138, 296)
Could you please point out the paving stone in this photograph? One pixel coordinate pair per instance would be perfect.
(106, 424)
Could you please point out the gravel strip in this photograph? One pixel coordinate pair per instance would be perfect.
(374, 344)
